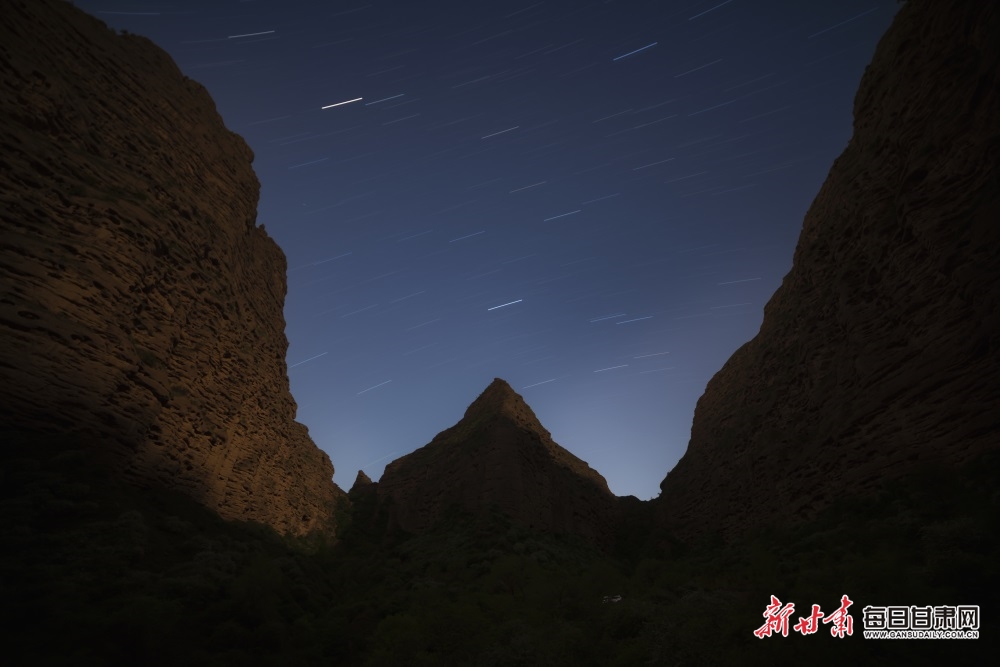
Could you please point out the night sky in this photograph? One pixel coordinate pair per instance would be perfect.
(592, 200)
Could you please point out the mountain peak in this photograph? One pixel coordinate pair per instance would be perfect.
(361, 480)
(499, 455)
(500, 385)
(497, 395)
(500, 400)
(363, 486)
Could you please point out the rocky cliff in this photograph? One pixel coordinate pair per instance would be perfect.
(879, 351)
(499, 455)
(139, 301)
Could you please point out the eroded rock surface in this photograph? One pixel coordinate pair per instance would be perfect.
(499, 456)
(139, 301)
(879, 352)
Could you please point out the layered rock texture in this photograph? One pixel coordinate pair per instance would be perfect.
(879, 351)
(139, 301)
(498, 456)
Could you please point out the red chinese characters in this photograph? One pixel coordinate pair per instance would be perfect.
(777, 619)
(776, 615)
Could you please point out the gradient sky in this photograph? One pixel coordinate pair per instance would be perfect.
(590, 199)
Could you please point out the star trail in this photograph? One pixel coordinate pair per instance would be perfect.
(562, 194)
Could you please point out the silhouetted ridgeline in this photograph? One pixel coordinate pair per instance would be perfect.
(140, 302)
(499, 456)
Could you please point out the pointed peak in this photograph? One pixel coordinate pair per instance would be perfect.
(494, 397)
(498, 456)
(500, 386)
(500, 400)
(361, 481)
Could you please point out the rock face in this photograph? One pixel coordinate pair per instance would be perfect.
(139, 301)
(500, 456)
(880, 349)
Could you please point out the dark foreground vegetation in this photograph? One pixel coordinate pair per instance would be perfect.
(97, 572)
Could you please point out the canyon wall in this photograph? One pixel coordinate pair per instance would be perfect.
(139, 301)
(879, 352)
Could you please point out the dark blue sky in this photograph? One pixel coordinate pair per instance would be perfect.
(592, 200)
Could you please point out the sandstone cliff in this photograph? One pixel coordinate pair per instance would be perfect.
(139, 301)
(879, 351)
(499, 455)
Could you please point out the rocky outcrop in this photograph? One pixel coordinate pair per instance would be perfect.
(361, 481)
(363, 486)
(879, 351)
(498, 456)
(140, 302)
